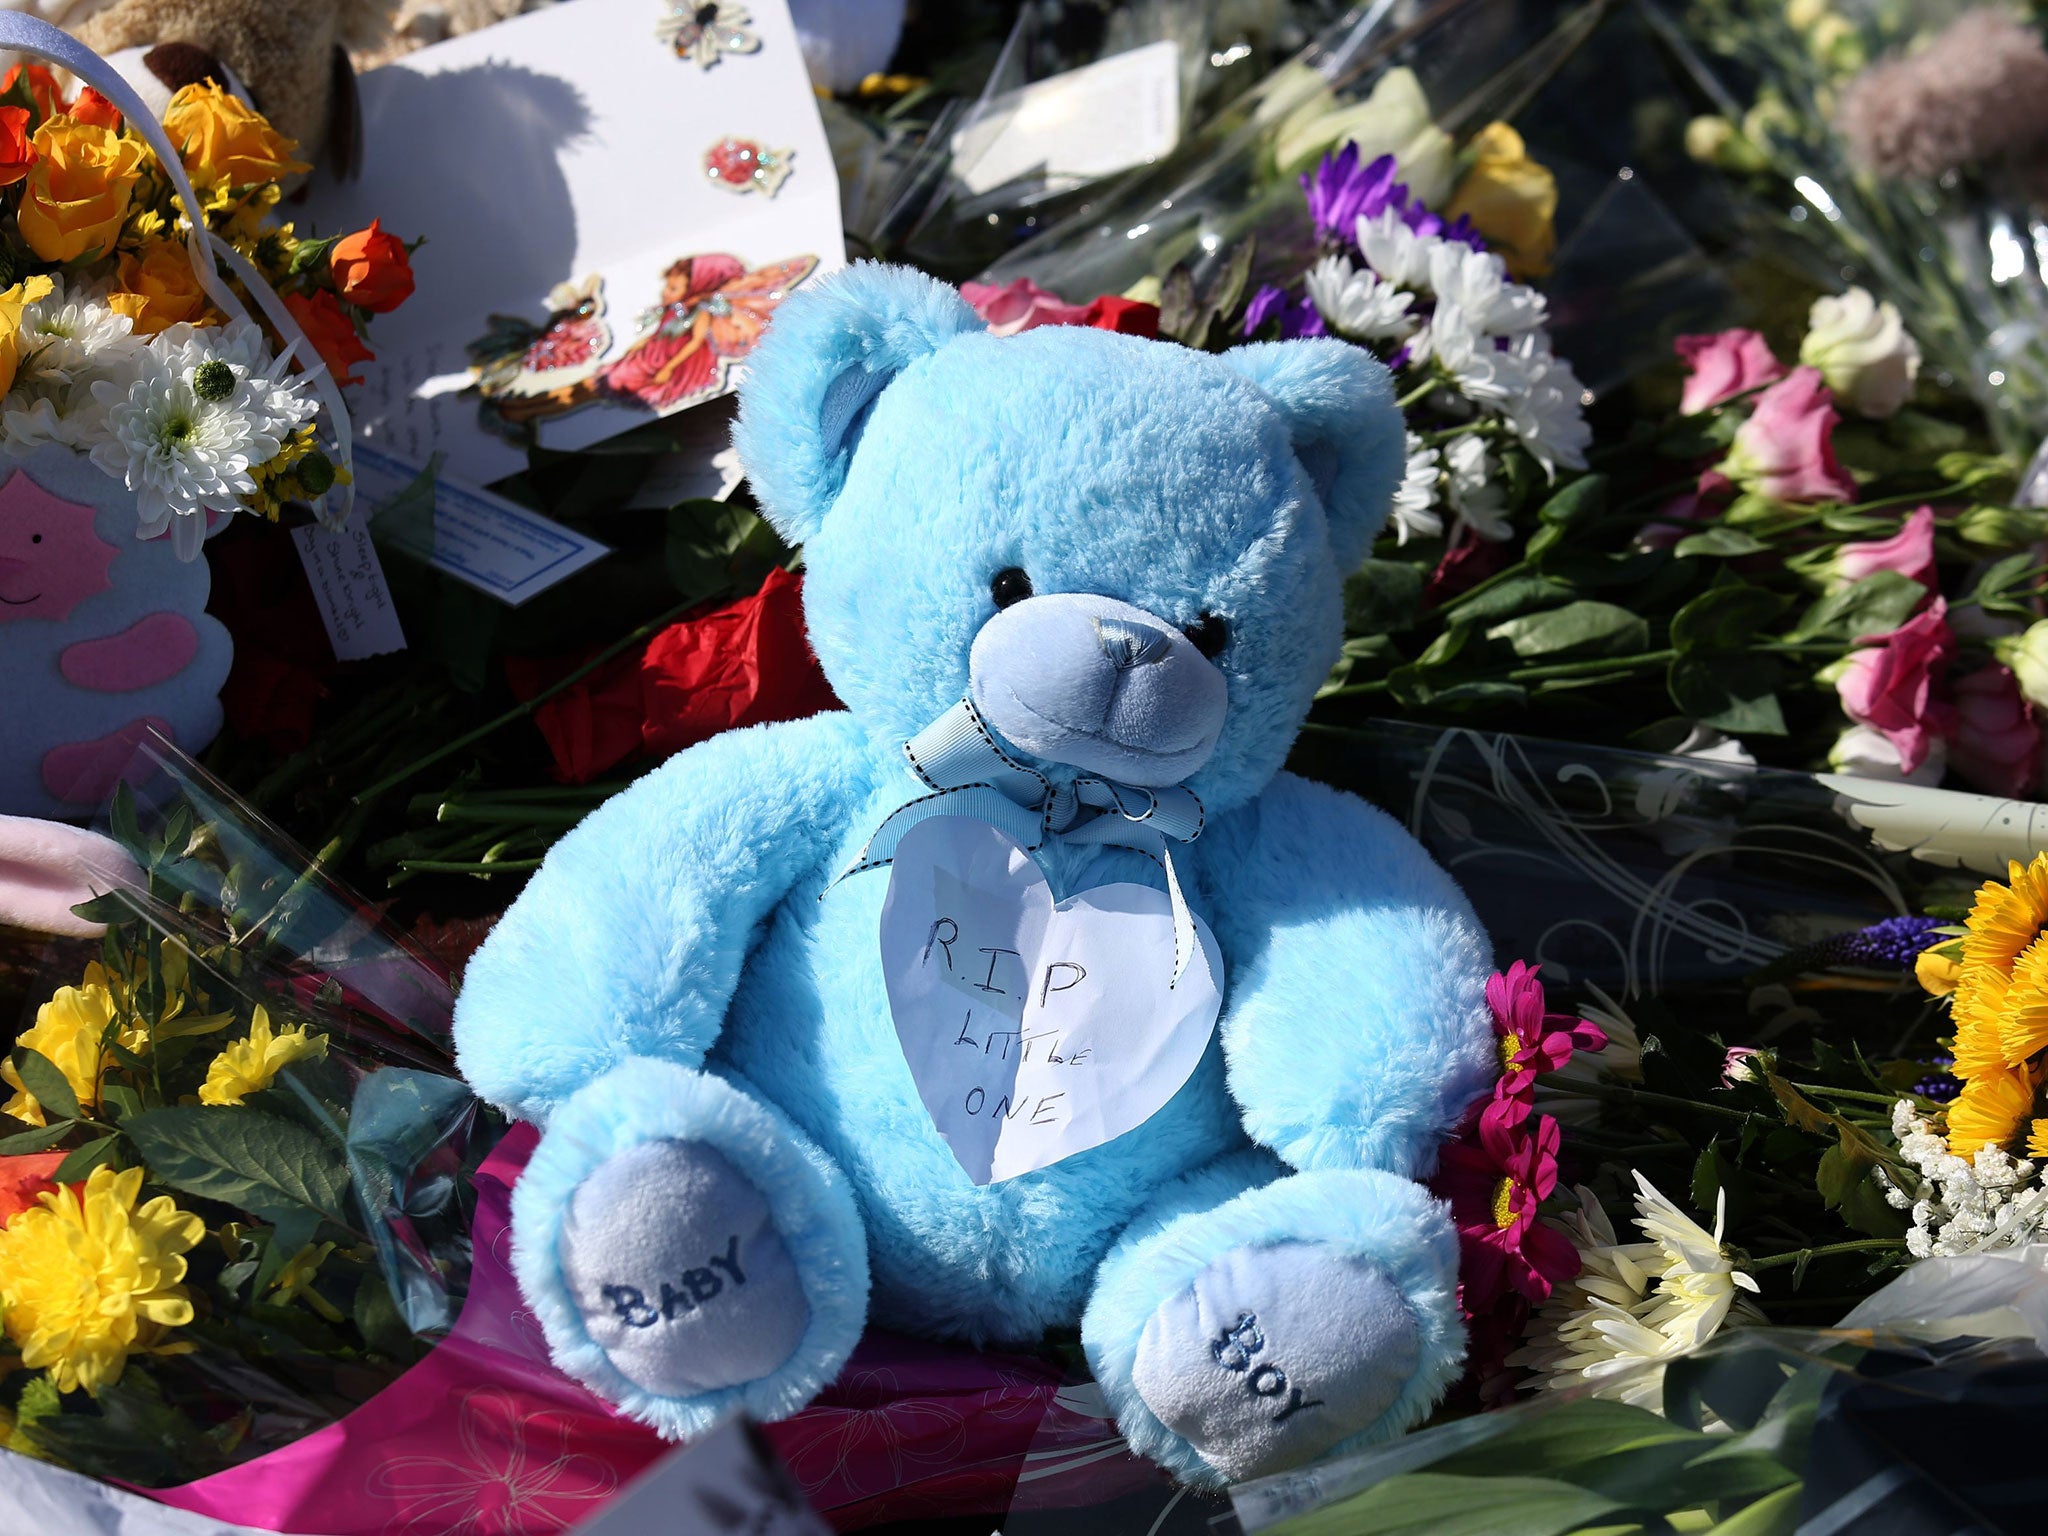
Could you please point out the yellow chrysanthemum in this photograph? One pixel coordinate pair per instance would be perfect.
(89, 1279)
(248, 1066)
(68, 1030)
(2023, 1021)
(2007, 918)
(1978, 1009)
(1989, 1111)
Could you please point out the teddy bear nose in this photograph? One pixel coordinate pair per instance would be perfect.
(1098, 684)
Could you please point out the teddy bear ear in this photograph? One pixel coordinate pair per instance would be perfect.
(828, 353)
(1338, 403)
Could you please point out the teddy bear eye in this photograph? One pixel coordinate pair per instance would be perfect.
(1010, 585)
(1208, 634)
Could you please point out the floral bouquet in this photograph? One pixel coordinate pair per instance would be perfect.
(232, 1202)
(123, 342)
(1901, 147)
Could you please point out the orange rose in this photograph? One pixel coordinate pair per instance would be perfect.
(76, 196)
(162, 278)
(221, 140)
(42, 87)
(332, 333)
(371, 269)
(17, 154)
(91, 107)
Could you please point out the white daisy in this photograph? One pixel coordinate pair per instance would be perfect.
(1414, 515)
(1483, 373)
(1477, 282)
(1358, 304)
(68, 342)
(1394, 250)
(1474, 492)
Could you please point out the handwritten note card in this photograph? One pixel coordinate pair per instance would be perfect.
(1034, 1030)
(349, 588)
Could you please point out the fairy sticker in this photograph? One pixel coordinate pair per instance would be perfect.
(712, 312)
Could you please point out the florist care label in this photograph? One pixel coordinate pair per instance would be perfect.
(349, 588)
(1035, 1030)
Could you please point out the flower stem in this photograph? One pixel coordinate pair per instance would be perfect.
(1417, 395)
(615, 649)
(1859, 1245)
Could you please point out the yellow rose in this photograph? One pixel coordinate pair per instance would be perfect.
(1511, 200)
(163, 280)
(76, 197)
(222, 141)
(12, 303)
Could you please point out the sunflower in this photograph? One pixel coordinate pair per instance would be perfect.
(1990, 1111)
(2007, 918)
(89, 1279)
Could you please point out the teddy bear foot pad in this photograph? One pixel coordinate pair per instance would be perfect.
(672, 1257)
(1274, 1354)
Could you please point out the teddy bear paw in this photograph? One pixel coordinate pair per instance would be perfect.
(1276, 1353)
(672, 1258)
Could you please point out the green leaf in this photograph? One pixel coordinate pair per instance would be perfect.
(46, 1084)
(243, 1158)
(1775, 1514)
(1584, 628)
(133, 1437)
(1382, 597)
(1876, 605)
(377, 1319)
(40, 1139)
(1432, 1504)
(82, 1161)
(1724, 618)
(1845, 1184)
(1445, 647)
(1512, 598)
(1567, 1436)
(110, 908)
(1733, 692)
(1722, 541)
(126, 830)
(1997, 582)
(1577, 503)
(1480, 695)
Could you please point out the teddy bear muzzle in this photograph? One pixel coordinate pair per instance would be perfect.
(1094, 683)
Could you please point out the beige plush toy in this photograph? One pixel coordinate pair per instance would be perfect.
(289, 57)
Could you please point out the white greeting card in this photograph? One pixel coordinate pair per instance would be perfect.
(633, 214)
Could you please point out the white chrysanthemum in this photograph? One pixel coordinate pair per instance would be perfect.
(1474, 491)
(1634, 1306)
(182, 455)
(1358, 304)
(1414, 515)
(68, 343)
(1482, 372)
(1544, 403)
(1394, 250)
(1477, 282)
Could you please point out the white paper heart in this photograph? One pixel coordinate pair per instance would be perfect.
(1034, 1030)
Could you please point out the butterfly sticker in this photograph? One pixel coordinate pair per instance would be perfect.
(705, 33)
(712, 311)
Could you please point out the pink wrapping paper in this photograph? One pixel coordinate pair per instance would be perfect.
(485, 1438)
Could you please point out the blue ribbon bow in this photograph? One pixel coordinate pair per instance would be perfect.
(968, 773)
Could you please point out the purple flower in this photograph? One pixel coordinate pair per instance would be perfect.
(1302, 318)
(1340, 191)
(1266, 303)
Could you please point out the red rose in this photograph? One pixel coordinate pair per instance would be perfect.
(23, 1179)
(1132, 317)
(93, 108)
(42, 86)
(745, 663)
(17, 154)
(332, 333)
(371, 269)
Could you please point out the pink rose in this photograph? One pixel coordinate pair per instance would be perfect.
(1997, 740)
(1786, 449)
(1724, 365)
(1910, 552)
(1020, 306)
(1889, 684)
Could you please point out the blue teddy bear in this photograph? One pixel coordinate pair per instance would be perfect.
(1077, 590)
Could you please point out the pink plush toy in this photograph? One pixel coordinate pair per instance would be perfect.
(103, 637)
